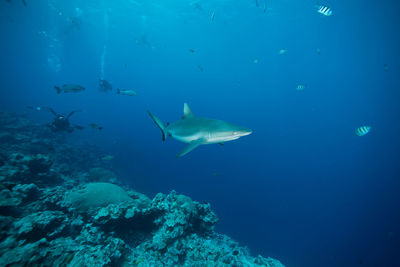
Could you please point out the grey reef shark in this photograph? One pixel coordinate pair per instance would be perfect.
(197, 131)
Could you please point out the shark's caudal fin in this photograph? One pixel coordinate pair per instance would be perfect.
(192, 145)
(160, 125)
(187, 113)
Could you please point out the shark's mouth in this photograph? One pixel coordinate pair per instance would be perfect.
(231, 138)
(243, 133)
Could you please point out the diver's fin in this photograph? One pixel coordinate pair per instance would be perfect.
(58, 89)
(52, 112)
(192, 145)
(187, 113)
(72, 112)
(160, 125)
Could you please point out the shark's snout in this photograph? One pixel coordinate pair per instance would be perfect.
(243, 132)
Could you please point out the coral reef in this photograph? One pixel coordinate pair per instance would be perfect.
(54, 212)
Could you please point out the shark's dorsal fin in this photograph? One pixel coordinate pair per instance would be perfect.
(187, 113)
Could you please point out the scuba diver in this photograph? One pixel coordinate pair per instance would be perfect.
(61, 122)
(104, 86)
(74, 22)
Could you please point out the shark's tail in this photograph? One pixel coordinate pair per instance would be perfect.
(160, 125)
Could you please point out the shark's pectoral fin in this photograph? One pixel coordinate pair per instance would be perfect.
(221, 144)
(192, 145)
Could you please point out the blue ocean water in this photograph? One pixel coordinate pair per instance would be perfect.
(303, 188)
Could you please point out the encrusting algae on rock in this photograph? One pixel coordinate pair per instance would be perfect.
(53, 214)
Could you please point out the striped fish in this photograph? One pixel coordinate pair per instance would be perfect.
(324, 10)
(363, 130)
(300, 87)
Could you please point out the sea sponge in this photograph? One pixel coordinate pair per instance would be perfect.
(95, 195)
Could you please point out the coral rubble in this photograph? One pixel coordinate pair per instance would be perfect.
(55, 212)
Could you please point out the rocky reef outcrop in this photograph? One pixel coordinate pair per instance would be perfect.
(54, 212)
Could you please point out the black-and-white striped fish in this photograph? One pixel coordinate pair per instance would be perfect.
(363, 130)
(212, 16)
(324, 10)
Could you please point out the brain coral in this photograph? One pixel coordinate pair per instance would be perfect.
(94, 195)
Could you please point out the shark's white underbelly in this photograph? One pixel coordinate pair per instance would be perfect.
(207, 137)
(187, 138)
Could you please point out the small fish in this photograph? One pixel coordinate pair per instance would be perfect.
(200, 68)
(265, 6)
(283, 51)
(212, 16)
(35, 108)
(95, 126)
(318, 51)
(300, 87)
(107, 158)
(126, 92)
(69, 88)
(324, 10)
(191, 50)
(363, 130)
(257, 3)
(255, 61)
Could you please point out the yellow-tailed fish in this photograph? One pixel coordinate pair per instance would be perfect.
(282, 51)
(363, 130)
(69, 88)
(126, 92)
